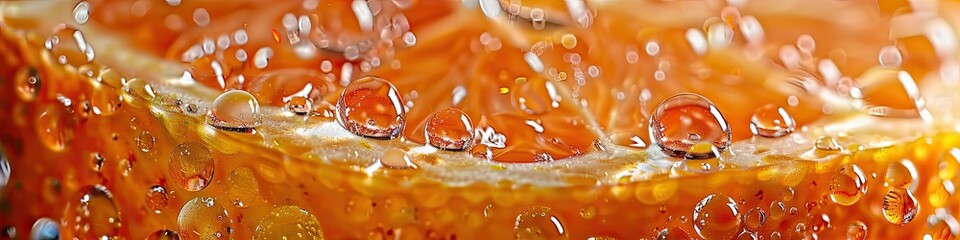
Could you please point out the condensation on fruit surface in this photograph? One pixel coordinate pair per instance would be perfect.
(523, 119)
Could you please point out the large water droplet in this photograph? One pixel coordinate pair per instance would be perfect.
(157, 199)
(540, 222)
(449, 129)
(92, 214)
(289, 222)
(235, 110)
(899, 206)
(371, 107)
(686, 119)
(55, 126)
(45, 229)
(191, 166)
(848, 185)
(716, 216)
(771, 121)
(202, 218)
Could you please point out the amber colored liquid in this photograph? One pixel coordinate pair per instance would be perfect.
(118, 133)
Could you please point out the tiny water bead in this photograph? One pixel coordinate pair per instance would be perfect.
(716, 217)
(703, 158)
(371, 107)
(164, 234)
(56, 125)
(449, 129)
(540, 222)
(146, 141)
(27, 83)
(92, 213)
(899, 206)
(235, 110)
(289, 222)
(157, 199)
(299, 105)
(771, 121)
(45, 229)
(191, 166)
(203, 218)
(848, 185)
(685, 119)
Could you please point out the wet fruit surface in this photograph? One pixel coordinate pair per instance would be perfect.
(485, 119)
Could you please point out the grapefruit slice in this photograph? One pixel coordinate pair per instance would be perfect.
(479, 119)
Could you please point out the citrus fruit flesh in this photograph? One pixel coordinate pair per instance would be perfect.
(479, 119)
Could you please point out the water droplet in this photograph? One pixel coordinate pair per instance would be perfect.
(716, 216)
(777, 210)
(27, 83)
(857, 231)
(754, 219)
(396, 158)
(540, 222)
(145, 141)
(45, 229)
(534, 95)
(686, 119)
(449, 129)
(201, 17)
(262, 57)
(92, 214)
(242, 187)
(702, 158)
(288, 222)
(55, 126)
(848, 185)
(890, 56)
(164, 234)
(157, 199)
(235, 110)
(901, 174)
(202, 218)
(899, 206)
(827, 143)
(672, 233)
(939, 192)
(4, 170)
(949, 164)
(569, 41)
(81, 13)
(771, 121)
(371, 107)
(191, 166)
(299, 105)
(409, 39)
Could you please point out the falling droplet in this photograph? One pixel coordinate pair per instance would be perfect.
(449, 129)
(848, 185)
(235, 110)
(45, 229)
(157, 199)
(202, 218)
(242, 187)
(92, 214)
(371, 107)
(771, 121)
(716, 216)
(686, 119)
(540, 222)
(899, 206)
(288, 222)
(191, 166)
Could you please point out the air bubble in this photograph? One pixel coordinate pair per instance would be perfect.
(899, 206)
(27, 83)
(409, 39)
(203, 218)
(568, 41)
(540, 222)
(685, 119)
(191, 166)
(449, 129)
(92, 214)
(716, 216)
(288, 222)
(235, 110)
(201, 17)
(157, 199)
(371, 107)
(771, 121)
